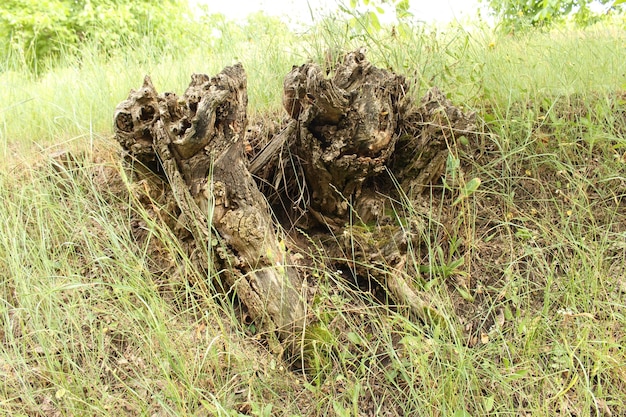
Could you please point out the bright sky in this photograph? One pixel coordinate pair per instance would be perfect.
(441, 11)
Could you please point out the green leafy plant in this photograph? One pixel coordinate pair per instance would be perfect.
(38, 31)
(521, 14)
(365, 14)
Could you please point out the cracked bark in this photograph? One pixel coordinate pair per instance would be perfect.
(195, 141)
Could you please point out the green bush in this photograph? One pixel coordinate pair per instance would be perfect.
(521, 14)
(34, 32)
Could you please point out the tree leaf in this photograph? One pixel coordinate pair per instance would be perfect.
(373, 20)
(354, 338)
(489, 403)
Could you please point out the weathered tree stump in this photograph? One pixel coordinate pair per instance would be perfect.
(343, 135)
(196, 142)
(426, 133)
(347, 131)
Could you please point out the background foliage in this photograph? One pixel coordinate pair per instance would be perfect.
(33, 33)
(36, 30)
(520, 14)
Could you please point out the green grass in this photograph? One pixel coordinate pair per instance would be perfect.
(103, 313)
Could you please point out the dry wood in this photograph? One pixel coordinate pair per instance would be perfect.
(347, 129)
(427, 132)
(350, 126)
(345, 132)
(196, 142)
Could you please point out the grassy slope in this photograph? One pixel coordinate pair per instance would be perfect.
(91, 326)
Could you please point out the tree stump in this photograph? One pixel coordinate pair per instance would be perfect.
(426, 133)
(344, 133)
(347, 131)
(195, 141)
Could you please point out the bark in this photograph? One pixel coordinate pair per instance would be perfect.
(362, 122)
(195, 141)
(347, 130)
(426, 134)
